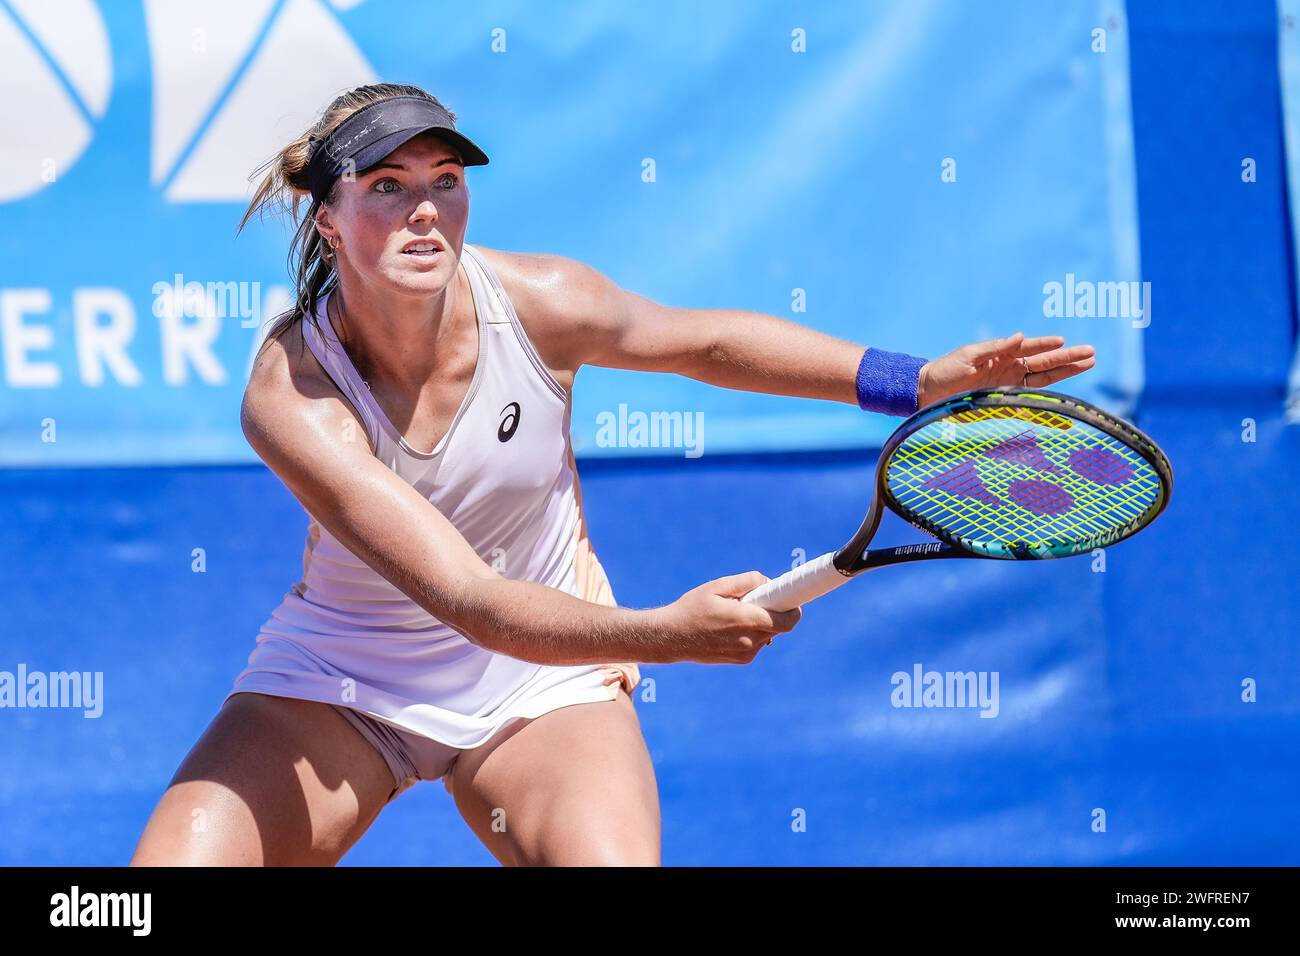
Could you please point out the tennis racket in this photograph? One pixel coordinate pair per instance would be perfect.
(1008, 473)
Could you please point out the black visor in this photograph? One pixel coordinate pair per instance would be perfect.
(374, 131)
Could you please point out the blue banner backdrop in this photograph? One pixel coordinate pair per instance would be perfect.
(912, 175)
(1289, 68)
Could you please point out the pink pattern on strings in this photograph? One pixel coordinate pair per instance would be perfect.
(1041, 497)
(964, 481)
(1022, 450)
(1102, 466)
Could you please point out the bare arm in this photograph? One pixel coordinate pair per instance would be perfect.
(586, 319)
(580, 317)
(305, 431)
(748, 351)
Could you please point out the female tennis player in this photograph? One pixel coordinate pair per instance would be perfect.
(452, 621)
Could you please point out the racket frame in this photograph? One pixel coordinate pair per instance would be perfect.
(828, 571)
(855, 557)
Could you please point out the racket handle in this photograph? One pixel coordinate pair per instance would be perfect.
(810, 580)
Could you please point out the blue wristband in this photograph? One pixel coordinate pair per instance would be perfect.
(888, 381)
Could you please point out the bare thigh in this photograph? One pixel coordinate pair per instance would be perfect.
(574, 787)
(273, 781)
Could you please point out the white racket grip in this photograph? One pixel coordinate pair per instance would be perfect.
(810, 580)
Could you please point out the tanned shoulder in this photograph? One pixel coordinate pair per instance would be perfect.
(288, 387)
(565, 305)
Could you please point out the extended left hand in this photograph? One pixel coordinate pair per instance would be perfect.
(1015, 360)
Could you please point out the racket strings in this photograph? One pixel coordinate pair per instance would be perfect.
(1095, 514)
(1035, 415)
(1005, 482)
(1021, 450)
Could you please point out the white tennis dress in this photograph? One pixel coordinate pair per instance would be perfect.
(505, 476)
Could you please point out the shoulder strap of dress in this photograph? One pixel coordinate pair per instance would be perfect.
(507, 310)
(329, 352)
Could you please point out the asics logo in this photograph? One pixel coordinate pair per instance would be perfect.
(506, 431)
